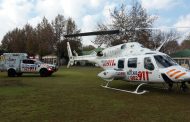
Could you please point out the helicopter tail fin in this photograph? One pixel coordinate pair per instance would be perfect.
(71, 58)
(90, 58)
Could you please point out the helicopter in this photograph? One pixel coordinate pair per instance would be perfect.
(132, 62)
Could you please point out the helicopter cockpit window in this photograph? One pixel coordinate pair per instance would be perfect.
(148, 63)
(164, 61)
(132, 62)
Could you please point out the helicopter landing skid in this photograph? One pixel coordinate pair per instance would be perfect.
(133, 92)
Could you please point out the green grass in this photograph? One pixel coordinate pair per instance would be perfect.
(75, 95)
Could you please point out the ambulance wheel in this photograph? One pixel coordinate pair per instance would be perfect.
(43, 72)
(19, 74)
(11, 73)
(50, 73)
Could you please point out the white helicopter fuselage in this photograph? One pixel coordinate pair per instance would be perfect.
(132, 62)
(133, 68)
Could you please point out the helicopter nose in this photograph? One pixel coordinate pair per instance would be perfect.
(106, 74)
(183, 77)
(179, 75)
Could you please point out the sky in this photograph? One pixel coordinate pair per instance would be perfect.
(87, 13)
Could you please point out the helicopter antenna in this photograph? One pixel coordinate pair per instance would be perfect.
(158, 49)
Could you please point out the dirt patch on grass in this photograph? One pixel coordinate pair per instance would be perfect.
(7, 83)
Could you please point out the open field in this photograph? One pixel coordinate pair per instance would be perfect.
(75, 95)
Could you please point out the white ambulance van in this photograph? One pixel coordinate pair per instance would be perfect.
(17, 63)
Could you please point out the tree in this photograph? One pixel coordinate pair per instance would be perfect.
(45, 38)
(171, 47)
(75, 42)
(63, 27)
(159, 37)
(31, 39)
(88, 48)
(14, 41)
(186, 43)
(1, 50)
(6, 42)
(136, 17)
(59, 29)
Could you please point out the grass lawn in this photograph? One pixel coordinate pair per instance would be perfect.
(75, 95)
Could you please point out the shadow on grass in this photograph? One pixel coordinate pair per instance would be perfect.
(32, 75)
(12, 83)
(152, 88)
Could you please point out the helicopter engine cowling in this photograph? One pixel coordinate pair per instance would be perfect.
(110, 75)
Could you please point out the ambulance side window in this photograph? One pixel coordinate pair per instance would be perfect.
(28, 61)
(25, 61)
(132, 62)
(148, 63)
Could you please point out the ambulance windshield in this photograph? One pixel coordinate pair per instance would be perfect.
(164, 61)
(38, 62)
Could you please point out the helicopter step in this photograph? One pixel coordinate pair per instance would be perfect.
(133, 92)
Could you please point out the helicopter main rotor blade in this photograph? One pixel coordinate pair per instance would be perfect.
(161, 28)
(116, 31)
(94, 33)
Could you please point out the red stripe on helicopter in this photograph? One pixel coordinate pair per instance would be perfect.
(178, 76)
(177, 72)
(138, 76)
(109, 63)
(112, 62)
(170, 71)
(143, 75)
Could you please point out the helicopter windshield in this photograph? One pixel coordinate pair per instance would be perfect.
(164, 61)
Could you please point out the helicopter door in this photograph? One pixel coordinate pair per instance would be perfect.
(151, 72)
(121, 63)
(132, 69)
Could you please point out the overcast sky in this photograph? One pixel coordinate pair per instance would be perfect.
(86, 13)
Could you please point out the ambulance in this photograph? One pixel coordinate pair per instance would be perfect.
(18, 63)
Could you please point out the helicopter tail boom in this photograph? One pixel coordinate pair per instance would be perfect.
(72, 59)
